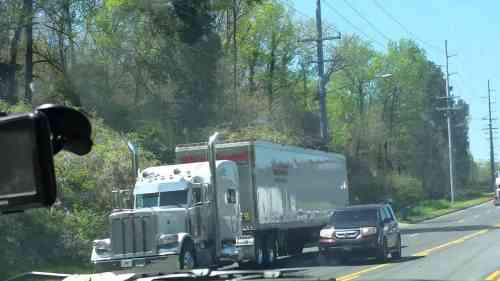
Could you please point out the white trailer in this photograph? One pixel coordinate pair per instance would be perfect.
(286, 194)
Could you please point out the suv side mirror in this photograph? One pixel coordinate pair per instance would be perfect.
(386, 220)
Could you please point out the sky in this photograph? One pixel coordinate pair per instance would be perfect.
(472, 29)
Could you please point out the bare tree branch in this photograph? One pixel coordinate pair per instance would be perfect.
(51, 61)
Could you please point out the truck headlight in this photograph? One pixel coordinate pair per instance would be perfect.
(102, 246)
(367, 231)
(245, 240)
(327, 232)
(166, 239)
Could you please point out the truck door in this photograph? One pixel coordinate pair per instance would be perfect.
(199, 223)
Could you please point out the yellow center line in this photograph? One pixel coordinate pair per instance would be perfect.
(457, 241)
(492, 276)
(349, 278)
(356, 274)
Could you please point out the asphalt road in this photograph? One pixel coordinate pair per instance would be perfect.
(460, 246)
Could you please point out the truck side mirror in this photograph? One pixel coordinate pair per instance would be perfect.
(207, 192)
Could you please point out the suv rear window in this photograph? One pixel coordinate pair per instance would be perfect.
(354, 218)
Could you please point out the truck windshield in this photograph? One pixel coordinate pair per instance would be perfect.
(173, 198)
(147, 200)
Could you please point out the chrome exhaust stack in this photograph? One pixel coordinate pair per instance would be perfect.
(212, 158)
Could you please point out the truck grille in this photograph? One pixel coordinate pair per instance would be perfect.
(132, 234)
(346, 234)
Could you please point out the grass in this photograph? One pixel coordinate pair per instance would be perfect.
(429, 209)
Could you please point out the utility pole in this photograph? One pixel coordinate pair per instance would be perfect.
(448, 120)
(235, 62)
(28, 73)
(323, 116)
(490, 129)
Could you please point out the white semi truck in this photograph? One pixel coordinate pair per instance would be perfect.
(239, 201)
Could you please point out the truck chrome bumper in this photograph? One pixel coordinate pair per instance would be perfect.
(150, 264)
(246, 247)
(246, 252)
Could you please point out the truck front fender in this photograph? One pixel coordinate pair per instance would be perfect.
(182, 238)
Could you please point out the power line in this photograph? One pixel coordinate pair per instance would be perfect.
(351, 24)
(286, 3)
(393, 18)
(371, 39)
(367, 21)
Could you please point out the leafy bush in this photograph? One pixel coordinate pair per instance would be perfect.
(405, 190)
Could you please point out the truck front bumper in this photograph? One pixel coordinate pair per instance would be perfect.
(245, 246)
(149, 264)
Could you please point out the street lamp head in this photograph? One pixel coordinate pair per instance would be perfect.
(385, 75)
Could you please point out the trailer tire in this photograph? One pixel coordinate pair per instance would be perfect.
(187, 257)
(271, 250)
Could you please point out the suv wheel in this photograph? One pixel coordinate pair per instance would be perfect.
(382, 252)
(342, 258)
(323, 257)
(397, 254)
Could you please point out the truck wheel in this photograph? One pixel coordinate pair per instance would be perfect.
(271, 251)
(187, 258)
(260, 253)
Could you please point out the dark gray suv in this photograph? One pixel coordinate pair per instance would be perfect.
(361, 230)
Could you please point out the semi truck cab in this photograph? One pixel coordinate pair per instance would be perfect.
(179, 220)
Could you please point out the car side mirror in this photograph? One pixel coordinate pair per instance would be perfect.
(386, 220)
